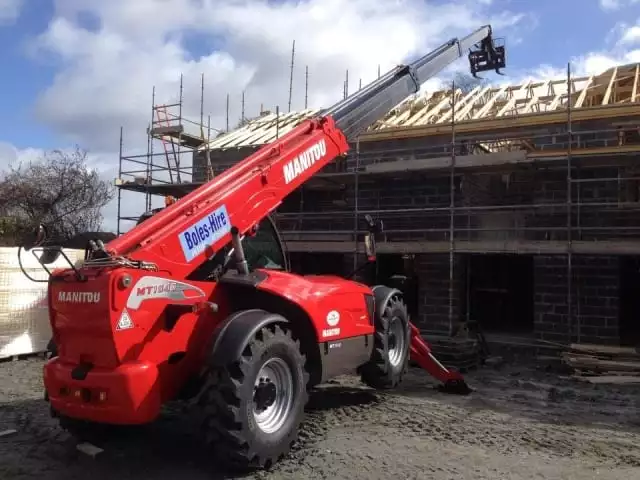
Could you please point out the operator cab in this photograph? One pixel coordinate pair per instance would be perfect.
(263, 248)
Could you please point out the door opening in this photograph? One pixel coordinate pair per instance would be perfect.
(629, 316)
(500, 292)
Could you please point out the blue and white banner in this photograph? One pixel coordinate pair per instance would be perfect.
(204, 233)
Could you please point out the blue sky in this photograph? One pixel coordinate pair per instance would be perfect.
(23, 79)
(74, 71)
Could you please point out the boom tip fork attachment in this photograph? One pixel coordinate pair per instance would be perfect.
(489, 54)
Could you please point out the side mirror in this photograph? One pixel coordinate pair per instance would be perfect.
(36, 238)
(45, 252)
(49, 255)
(370, 246)
(373, 228)
(41, 235)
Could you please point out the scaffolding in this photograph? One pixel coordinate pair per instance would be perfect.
(167, 167)
(559, 177)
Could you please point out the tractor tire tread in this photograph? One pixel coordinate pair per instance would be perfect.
(224, 425)
(377, 373)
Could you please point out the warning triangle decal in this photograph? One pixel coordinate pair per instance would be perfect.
(125, 321)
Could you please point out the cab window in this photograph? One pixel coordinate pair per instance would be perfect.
(264, 250)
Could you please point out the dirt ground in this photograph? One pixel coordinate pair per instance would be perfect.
(518, 424)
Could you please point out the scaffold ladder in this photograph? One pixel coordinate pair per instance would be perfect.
(162, 118)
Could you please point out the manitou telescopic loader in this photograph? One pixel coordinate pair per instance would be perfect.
(197, 301)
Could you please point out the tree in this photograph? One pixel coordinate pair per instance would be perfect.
(59, 190)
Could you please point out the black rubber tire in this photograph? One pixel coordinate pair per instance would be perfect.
(227, 400)
(379, 373)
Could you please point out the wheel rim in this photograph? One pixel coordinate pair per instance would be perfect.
(397, 341)
(273, 395)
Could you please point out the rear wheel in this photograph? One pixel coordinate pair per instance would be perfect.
(390, 356)
(254, 406)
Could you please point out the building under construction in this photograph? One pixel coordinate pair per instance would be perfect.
(513, 207)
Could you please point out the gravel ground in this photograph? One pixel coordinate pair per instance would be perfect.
(518, 424)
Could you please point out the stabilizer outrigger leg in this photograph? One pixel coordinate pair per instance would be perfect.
(452, 381)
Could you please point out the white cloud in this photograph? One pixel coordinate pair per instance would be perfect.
(613, 5)
(106, 74)
(12, 156)
(629, 35)
(9, 11)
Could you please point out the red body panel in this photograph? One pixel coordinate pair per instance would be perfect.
(130, 359)
(132, 392)
(318, 296)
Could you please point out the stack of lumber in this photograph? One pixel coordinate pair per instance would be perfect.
(588, 359)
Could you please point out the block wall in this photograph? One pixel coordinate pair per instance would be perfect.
(433, 301)
(595, 299)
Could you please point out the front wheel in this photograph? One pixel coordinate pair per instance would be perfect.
(254, 406)
(392, 338)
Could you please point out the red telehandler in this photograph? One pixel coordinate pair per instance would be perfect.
(197, 301)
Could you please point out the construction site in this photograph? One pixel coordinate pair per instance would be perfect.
(476, 212)
(511, 208)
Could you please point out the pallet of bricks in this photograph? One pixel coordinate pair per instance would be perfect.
(589, 360)
(24, 315)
